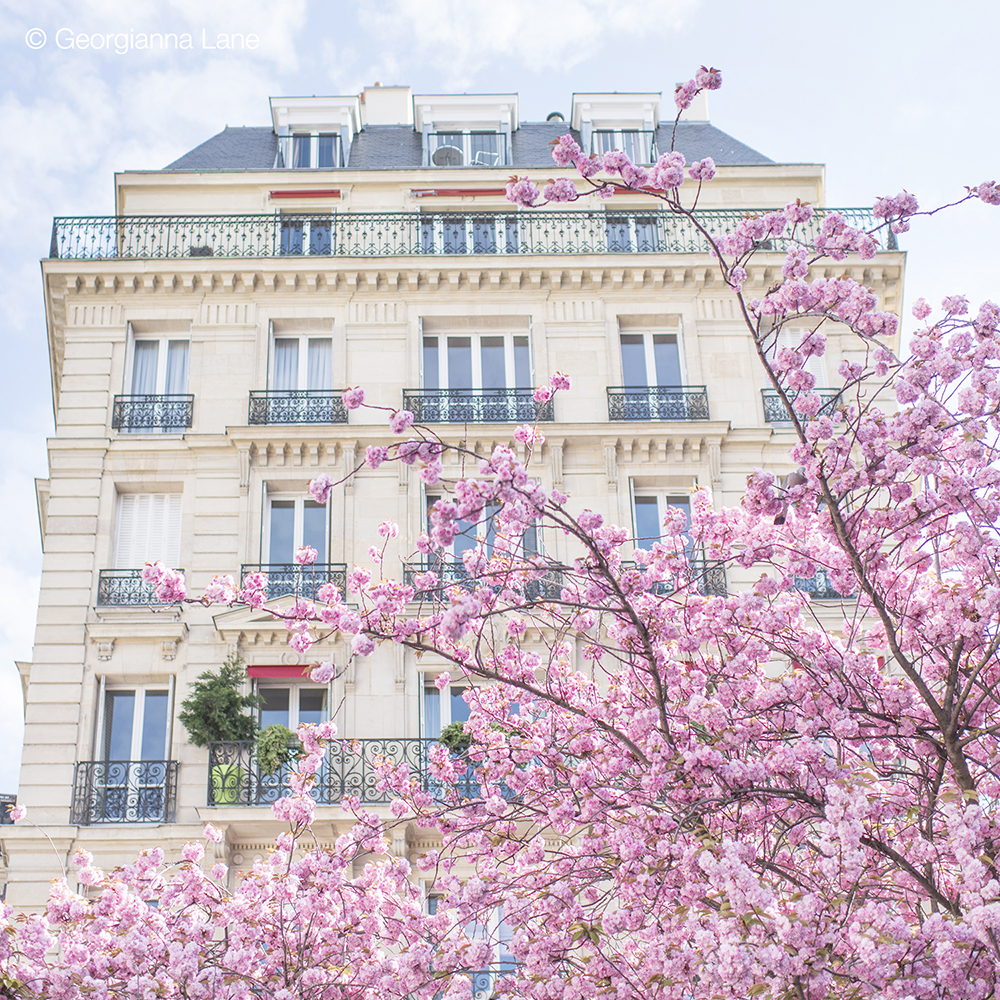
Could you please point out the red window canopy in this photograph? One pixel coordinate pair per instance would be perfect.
(278, 670)
(313, 193)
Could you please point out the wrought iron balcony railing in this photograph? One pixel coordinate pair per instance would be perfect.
(775, 411)
(452, 572)
(658, 402)
(709, 577)
(407, 234)
(350, 767)
(475, 406)
(296, 406)
(172, 412)
(819, 587)
(124, 588)
(124, 791)
(302, 581)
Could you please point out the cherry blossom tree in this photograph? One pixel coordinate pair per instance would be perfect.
(668, 791)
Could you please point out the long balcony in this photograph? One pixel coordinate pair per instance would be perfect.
(124, 588)
(475, 406)
(658, 402)
(350, 767)
(296, 406)
(301, 581)
(452, 573)
(709, 578)
(124, 791)
(144, 414)
(775, 411)
(820, 587)
(410, 234)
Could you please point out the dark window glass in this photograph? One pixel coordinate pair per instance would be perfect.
(274, 711)
(647, 521)
(282, 531)
(300, 150)
(522, 363)
(668, 361)
(314, 528)
(119, 715)
(485, 149)
(459, 706)
(312, 706)
(154, 726)
(491, 351)
(432, 378)
(633, 360)
(327, 147)
(459, 362)
(453, 233)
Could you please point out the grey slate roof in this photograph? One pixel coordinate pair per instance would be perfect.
(253, 148)
(384, 147)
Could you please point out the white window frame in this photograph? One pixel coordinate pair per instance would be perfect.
(303, 338)
(138, 717)
(619, 131)
(314, 137)
(164, 340)
(469, 223)
(791, 337)
(444, 702)
(465, 133)
(297, 525)
(294, 691)
(647, 335)
(664, 498)
(477, 356)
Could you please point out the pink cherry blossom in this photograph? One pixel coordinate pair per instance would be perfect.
(353, 398)
(305, 555)
(320, 487)
(400, 421)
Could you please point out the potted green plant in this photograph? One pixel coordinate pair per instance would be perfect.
(276, 746)
(455, 738)
(217, 710)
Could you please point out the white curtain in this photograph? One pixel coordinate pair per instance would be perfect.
(320, 361)
(144, 357)
(286, 363)
(177, 366)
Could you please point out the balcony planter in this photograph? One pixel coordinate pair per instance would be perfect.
(276, 747)
(227, 780)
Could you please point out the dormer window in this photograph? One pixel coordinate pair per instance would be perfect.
(639, 145)
(310, 150)
(467, 149)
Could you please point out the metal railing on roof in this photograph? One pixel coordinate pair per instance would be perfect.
(413, 234)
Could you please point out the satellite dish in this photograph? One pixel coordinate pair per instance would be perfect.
(447, 156)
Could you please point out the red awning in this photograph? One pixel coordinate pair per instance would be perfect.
(278, 670)
(315, 193)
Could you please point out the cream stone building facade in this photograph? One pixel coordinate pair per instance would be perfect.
(199, 342)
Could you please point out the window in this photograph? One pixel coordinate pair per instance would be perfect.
(480, 361)
(305, 150)
(441, 708)
(148, 528)
(650, 509)
(474, 148)
(650, 358)
(292, 706)
(468, 233)
(291, 523)
(310, 233)
(157, 376)
(637, 144)
(302, 362)
(135, 724)
(632, 233)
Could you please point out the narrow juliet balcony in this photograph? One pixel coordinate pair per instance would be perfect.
(350, 767)
(301, 581)
(452, 573)
(658, 402)
(124, 588)
(296, 406)
(147, 413)
(124, 791)
(476, 406)
(404, 234)
(775, 411)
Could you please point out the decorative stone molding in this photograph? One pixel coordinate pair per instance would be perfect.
(105, 649)
(168, 649)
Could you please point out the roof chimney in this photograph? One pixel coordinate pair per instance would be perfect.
(387, 105)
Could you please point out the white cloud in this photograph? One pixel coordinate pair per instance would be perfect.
(458, 38)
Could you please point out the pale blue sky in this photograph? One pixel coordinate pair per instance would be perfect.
(886, 94)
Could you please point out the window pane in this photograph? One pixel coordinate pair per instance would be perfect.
(119, 713)
(145, 354)
(618, 234)
(177, 366)
(484, 235)
(314, 528)
(449, 150)
(326, 147)
(291, 236)
(459, 362)
(432, 711)
(630, 146)
(485, 148)
(604, 142)
(529, 540)
(492, 356)
(633, 359)
(300, 150)
(668, 361)
(453, 232)
(431, 376)
(282, 546)
(320, 236)
(647, 234)
(320, 363)
(647, 521)
(154, 726)
(522, 363)
(286, 363)
(459, 706)
(312, 706)
(275, 708)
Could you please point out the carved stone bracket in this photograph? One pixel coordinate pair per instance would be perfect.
(105, 648)
(715, 466)
(168, 649)
(244, 454)
(611, 463)
(556, 458)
